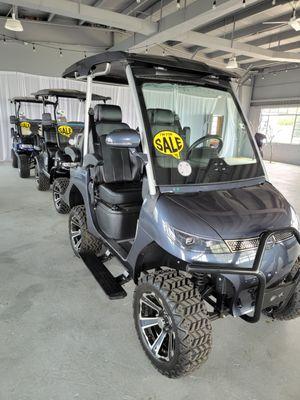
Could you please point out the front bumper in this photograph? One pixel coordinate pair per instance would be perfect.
(265, 297)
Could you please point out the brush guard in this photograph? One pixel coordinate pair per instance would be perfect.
(255, 270)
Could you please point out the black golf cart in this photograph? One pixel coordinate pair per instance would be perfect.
(24, 136)
(183, 203)
(53, 164)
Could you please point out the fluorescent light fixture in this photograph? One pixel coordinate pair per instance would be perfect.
(295, 23)
(13, 24)
(232, 63)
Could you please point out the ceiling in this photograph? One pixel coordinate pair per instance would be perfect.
(195, 30)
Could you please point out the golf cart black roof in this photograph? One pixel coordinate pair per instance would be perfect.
(67, 93)
(117, 59)
(27, 100)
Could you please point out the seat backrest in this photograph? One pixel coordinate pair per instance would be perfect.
(165, 120)
(50, 134)
(119, 165)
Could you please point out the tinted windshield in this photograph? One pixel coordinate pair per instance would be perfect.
(197, 135)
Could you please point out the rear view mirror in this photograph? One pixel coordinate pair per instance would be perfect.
(46, 119)
(123, 138)
(13, 119)
(260, 139)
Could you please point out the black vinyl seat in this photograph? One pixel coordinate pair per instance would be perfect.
(120, 174)
(121, 193)
(165, 120)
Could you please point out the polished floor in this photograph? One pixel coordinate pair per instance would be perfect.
(62, 339)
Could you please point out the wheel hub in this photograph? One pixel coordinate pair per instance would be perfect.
(76, 234)
(156, 327)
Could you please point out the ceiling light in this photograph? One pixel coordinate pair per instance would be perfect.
(232, 63)
(295, 23)
(13, 24)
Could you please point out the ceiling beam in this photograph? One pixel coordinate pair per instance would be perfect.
(173, 25)
(133, 8)
(45, 32)
(287, 36)
(249, 22)
(97, 3)
(72, 9)
(245, 17)
(238, 48)
(292, 48)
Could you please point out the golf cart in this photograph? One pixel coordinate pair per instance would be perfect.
(183, 202)
(53, 164)
(24, 136)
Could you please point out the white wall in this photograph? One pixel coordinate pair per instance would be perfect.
(282, 152)
(44, 61)
(282, 85)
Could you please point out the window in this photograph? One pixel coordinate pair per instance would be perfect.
(281, 125)
(197, 135)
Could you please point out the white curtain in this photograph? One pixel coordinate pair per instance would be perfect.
(193, 110)
(14, 84)
(195, 106)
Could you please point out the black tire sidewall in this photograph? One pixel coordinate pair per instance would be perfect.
(43, 182)
(23, 166)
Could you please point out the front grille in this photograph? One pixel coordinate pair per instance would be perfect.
(282, 236)
(252, 243)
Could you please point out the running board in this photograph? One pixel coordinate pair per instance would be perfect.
(112, 286)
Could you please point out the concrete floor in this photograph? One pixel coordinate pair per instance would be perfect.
(62, 339)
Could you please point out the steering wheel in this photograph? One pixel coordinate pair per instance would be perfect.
(204, 139)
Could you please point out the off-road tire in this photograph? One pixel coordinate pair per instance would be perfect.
(58, 189)
(291, 310)
(89, 243)
(190, 322)
(42, 181)
(24, 166)
(14, 159)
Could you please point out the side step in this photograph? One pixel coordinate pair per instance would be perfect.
(106, 280)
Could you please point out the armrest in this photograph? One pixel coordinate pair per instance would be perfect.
(74, 153)
(92, 160)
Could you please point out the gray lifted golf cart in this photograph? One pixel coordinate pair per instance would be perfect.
(183, 203)
(53, 164)
(25, 134)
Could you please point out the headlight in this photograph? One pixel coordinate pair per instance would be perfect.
(196, 243)
(25, 146)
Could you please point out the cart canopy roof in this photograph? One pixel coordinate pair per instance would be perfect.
(117, 60)
(67, 93)
(28, 100)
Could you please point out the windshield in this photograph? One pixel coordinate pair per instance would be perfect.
(197, 135)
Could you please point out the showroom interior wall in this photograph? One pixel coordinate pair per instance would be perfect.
(273, 90)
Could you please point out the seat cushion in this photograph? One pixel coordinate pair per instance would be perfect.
(121, 193)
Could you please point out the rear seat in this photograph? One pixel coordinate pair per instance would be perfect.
(120, 175)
